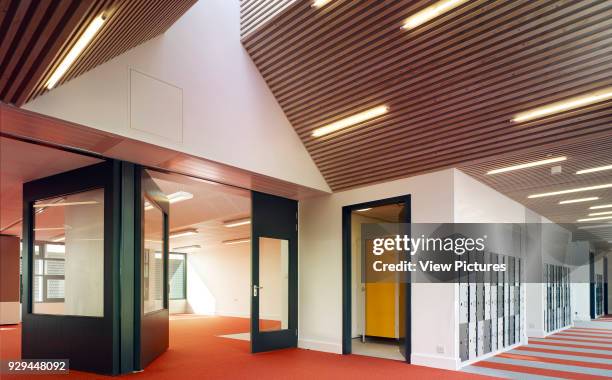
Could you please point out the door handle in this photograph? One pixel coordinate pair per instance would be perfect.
(256, 290)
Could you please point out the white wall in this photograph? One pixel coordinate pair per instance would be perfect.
(228, 112)
(578, 253)
(320, 263)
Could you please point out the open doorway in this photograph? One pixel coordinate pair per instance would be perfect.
(376, 314)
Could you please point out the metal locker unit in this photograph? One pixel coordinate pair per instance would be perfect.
(546, 298)
(487, 288)
(517, 300)
(511, 298)
(464, 353)
(493, 307)
(464, 299)
(506, 313)
(472, 320)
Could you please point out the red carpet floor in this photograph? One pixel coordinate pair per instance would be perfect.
(196, 352)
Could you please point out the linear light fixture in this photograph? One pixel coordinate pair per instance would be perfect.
(528, 165)
(595, 218)
(319, 3)
(181, 233)
(364, 209)
(237, 222)
(431, 12)
(600, 206)
(49, 229)
(578, 200)
(179, 196)
(236, 241)
(592, 170)
(59, 239)
(58, 204)
(600, 213)
(609, 225)
(351, 120)
(569, 191)
(187, 248)
(76, 50)
(565, 105)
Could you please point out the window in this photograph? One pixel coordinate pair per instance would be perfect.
(68, 260)
(152, 260)
(177, 265)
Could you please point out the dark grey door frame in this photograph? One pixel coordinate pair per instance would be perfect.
(347, 276)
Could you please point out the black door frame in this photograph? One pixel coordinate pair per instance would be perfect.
(86, 341)
(274, 217)
(347, 289)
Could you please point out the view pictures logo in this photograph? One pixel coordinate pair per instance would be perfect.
(404, 243)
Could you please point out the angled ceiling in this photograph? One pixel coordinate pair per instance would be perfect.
(452, 85)
(35, 35)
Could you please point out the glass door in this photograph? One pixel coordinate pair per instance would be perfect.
(274, 273)
(70, 256)
(153, 267)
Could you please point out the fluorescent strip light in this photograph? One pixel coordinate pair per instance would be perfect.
(600, 213)
(319, 3)
(592, 170)
(351, 120)
(600, 206)
(40, 205)
(528, 165)
(598, 187)
(237, 222)
(364, 209)
(578, 200)
(188, 232)
(49, 229)
(236, 241)
(76, 50)
(431, 12)
(565, 105)
(609, 225)
(59, 239)
(596, 218)
(187, 248)
(179, 196)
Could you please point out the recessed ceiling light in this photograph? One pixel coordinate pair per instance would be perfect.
(61, 204)
(595, 218)
(237, 222)
(600, 213)
(319, 3)
(179, 196)
(600, 206)
(588, 188)
(181, 233)
(187, 248)
(527, 165)
(236, 241)
(351, 120)
(578, 200)
(364, 209)
(76, 50)
(565, 105)
(592, 170)
(609, 225)
(431, 12)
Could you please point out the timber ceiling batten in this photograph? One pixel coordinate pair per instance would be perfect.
(36, 35)
(452, 85)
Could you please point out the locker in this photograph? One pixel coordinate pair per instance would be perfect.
(500, 333)
(494, 334)
(480, 297)
(486, 336)
(472, 340)
(480, 338)
(506, 331)
(511, 330)
(464, 353)
(517, 329)
(463, 302)
(511, 299)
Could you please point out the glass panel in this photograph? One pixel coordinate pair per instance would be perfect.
(176, 268)
(273, 284)
(69, 255)
(152, 260)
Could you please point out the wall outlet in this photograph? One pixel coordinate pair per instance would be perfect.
(440, 349)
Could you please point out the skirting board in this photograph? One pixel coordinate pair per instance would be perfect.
(315, 345)
(10, 313)
(435, 361)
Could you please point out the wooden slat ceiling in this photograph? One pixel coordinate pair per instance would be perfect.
(519, 184)
(452, 85)
(35, 35)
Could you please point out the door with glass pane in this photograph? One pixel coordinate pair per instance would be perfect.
(69, 263)
(153, 267)
(274, 273)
